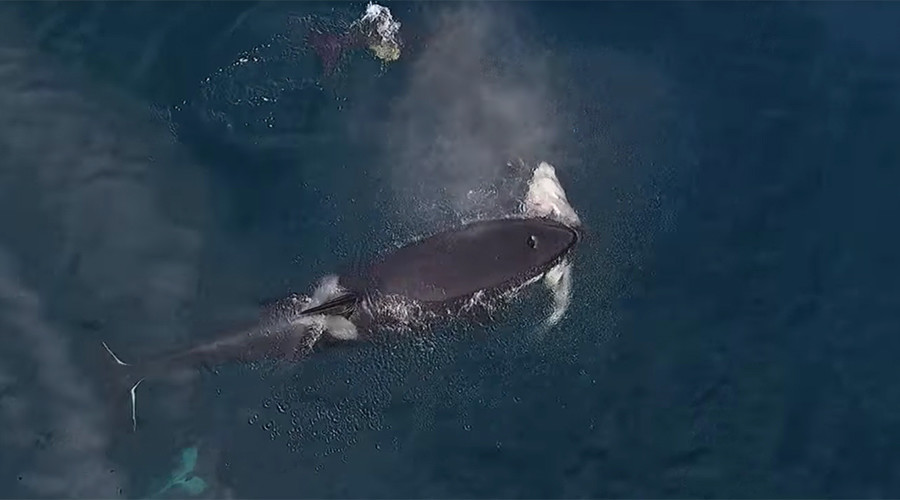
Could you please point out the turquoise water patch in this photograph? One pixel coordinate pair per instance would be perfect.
(181, 478)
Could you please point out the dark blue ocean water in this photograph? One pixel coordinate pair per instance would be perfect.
(734, 324)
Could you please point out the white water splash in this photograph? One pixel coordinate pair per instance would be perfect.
(383, 32)
(329, 287)
(546, 197)
(336, 326)
(559, 282)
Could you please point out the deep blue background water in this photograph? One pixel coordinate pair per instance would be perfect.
(734, 325)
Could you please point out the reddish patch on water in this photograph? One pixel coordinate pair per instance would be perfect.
(331, 46)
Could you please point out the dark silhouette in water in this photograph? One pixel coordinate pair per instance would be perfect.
(440, 273)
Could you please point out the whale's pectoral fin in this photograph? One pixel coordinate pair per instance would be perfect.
(342, 305)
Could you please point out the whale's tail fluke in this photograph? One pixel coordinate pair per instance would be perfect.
(124, 379)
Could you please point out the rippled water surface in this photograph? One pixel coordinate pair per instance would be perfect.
(733, 330)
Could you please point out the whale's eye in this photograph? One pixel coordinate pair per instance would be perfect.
(532, 241)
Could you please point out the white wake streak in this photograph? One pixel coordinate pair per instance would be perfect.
(545, 197)
(559, 282)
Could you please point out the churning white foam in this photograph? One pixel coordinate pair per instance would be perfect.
(338, 327)
(559, 282)
(546, 197)
(384, 32)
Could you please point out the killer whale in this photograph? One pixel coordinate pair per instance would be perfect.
(441, 272)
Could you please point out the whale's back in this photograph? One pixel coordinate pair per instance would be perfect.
(480, 256)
